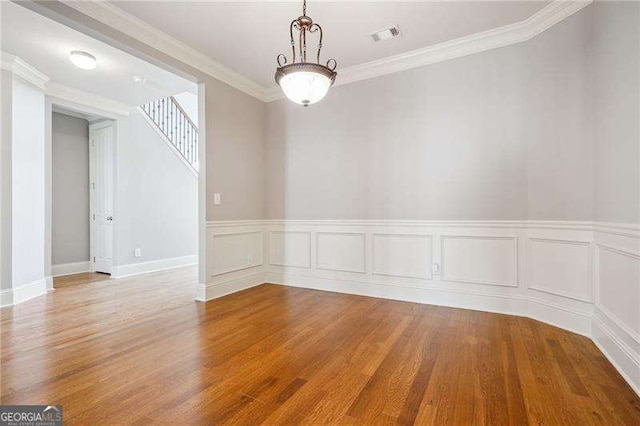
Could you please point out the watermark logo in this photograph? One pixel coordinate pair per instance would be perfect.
(30, 415)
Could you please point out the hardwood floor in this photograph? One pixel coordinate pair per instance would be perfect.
(140, 350)
(82, 278)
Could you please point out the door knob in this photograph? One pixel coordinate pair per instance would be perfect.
(109, 218)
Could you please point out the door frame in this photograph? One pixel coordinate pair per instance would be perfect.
(93, 127)
(99, 111)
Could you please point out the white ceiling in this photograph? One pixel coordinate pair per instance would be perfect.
(45, 44)
(247, 36)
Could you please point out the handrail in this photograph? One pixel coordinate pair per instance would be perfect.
(175, 124)
(183, 111)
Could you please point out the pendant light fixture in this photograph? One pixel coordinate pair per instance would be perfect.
(303, 82)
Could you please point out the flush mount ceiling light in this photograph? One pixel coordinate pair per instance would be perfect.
(83, 60)
(303, 82)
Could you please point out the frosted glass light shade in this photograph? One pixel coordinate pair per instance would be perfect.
(305, 83)
(83, 60)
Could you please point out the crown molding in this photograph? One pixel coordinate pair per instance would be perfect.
(507, 35)
(22, 69)
(475, 43)
(127, 23)
(29, 73)
(81, 97)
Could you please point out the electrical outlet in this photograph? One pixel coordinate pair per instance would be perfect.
(249, 259)
(137, 252)
(217, 198)
(436, 268)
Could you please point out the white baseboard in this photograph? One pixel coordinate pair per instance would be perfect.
(29, 291)
(212, 291)
(70, 268)
(621, 355)
(122, 271)
(6, 298)
(49, 283)
(572, 320)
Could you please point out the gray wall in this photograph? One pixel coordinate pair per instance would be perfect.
(235, 153)
(616, 88)
(70, 175)
(501, 135)
(558, 120)
(157, 196)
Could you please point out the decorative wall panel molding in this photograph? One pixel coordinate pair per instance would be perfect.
(620, 298)
(478, 259)
(561, 267)
(581, 276)
(341, 251)
(402, 255)
(290, 248)
(241, 250)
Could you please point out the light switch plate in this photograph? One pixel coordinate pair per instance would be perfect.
(217, 199)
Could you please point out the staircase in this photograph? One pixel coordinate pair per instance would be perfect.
(174, 123)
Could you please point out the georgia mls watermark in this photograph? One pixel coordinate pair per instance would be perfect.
(30, 415)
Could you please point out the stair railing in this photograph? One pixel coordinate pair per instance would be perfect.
(176, 125)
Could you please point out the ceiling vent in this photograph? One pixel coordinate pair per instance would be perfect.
(385, 34)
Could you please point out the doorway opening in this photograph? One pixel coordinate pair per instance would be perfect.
(151, 217)
(82, 168)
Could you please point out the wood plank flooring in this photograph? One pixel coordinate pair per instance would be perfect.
(139, 350)
(82, 278)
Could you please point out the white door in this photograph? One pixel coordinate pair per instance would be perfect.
(101, 186)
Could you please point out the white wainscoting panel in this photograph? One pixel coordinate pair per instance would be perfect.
(290, 248)
(234, 251)
(619, 286)
(480, 259)
(403, 255)
(341, 251)
(580, 276)
(561, 267)
(235, 258)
